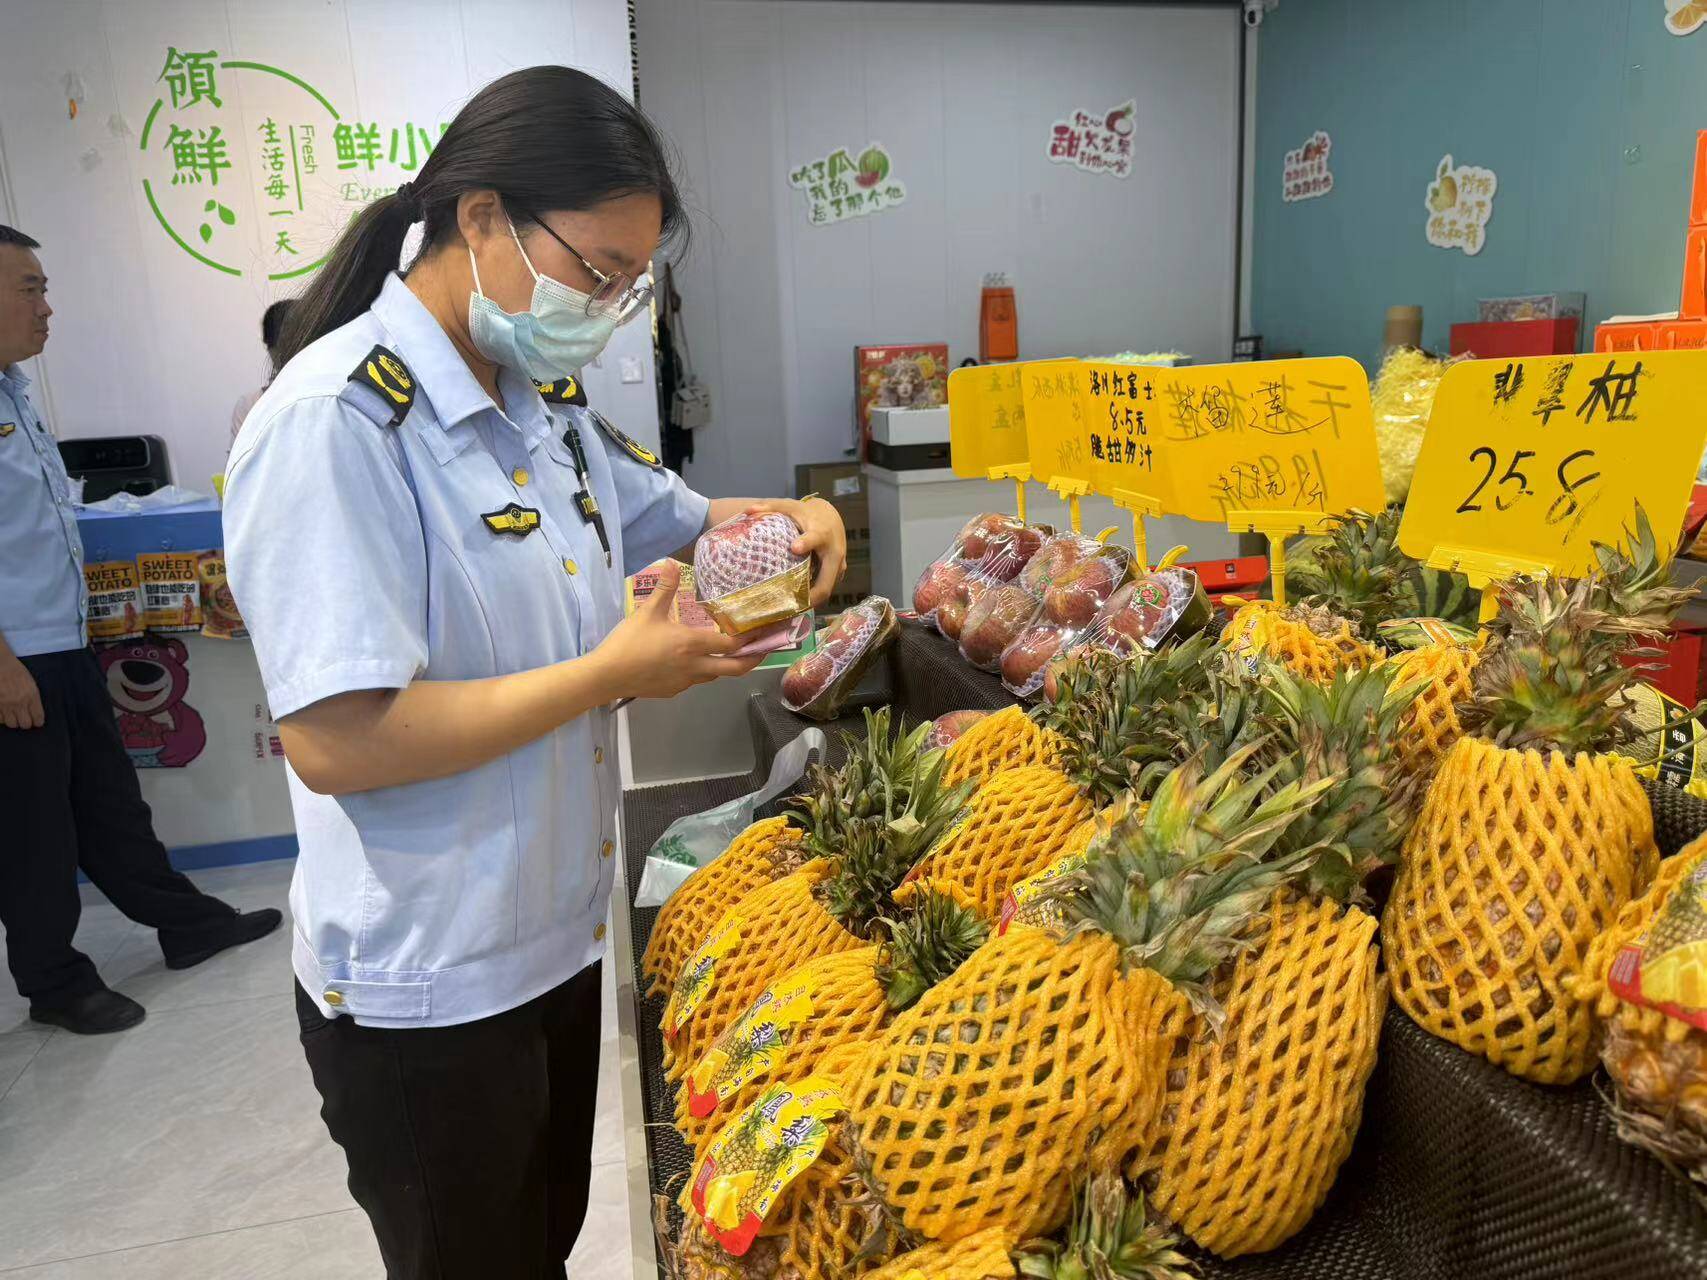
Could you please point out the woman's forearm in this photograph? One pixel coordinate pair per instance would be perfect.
(433, 728)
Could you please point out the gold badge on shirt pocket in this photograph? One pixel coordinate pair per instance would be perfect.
(7, 428)
(514, 519)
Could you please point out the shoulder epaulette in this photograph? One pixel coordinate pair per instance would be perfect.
(629, 445)
(381, 370)
(564, 390)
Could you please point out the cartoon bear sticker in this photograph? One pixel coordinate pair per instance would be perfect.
(147, 680)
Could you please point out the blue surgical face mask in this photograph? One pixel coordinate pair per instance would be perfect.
(554, 336)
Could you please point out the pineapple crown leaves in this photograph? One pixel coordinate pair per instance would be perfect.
(875, 781)
(877, 852)
(1358, 571)
(1564, 651)
(1347, 732)
(1175, 887)
(1109, 1237)
(1113, 711)
(926, 946)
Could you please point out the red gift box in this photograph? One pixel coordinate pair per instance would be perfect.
(1638, 335)
(1505, 338)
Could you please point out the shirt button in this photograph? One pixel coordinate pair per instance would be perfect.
(332, 997)
(605, 849)
(520, 475)
(598, 755)
(570, 567)
(599, 933)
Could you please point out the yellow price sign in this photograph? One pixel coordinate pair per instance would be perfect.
(1527, 463)
(986, 419)
(1056, 428)
(1212, 441)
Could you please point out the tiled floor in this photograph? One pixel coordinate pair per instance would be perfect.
(191, 1147)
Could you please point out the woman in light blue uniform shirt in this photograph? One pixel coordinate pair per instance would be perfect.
(429, 551)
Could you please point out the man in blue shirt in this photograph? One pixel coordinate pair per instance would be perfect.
(73, 797)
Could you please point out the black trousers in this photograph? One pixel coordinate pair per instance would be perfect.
(470, 1147)
(72, 800)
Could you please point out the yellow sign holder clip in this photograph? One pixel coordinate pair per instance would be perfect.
(1484, 568)
(1140, 506)
(1277, 527)
(1019, 473)
(1072, 490)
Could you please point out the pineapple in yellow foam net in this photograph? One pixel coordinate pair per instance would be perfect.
(1532, 837)
(835, 903)
(1655, 1050)
(877, 771)
(1009, 739)
(1351, 584)
(1042, 1055)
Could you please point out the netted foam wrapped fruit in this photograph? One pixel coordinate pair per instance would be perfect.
(993, 621)
(747, 576)
(818, 684)
(1152, 608)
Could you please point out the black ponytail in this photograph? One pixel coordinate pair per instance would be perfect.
(545, 139)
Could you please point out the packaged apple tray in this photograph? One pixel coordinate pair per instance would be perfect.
(819, 684)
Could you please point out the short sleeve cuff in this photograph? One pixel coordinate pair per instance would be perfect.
(286, 696)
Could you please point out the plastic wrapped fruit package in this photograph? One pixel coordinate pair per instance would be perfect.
(947, 728)
(1005, 612)
(746, 574)
(990, 548)
(818, 684)
(1069, 608)
(1153, 607)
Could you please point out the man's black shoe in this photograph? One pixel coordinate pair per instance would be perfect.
(242, 928)
(95, 1014)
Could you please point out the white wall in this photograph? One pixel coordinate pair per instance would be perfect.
(963, 97)
(146, 339)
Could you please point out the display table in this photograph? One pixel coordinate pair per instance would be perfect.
(1459, 1170)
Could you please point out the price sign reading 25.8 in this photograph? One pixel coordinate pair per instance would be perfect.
(1536, 460)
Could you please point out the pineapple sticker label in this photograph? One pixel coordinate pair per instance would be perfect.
(838, 187)
(1306, 175)
(753, 1045)
(1096, 141)
(1527, 463)
(1459, 203)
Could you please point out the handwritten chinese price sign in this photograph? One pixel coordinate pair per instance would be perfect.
(1532, 461)
(986, 418)
(1306, 175)
(1096, 142)
(208, 162)
(1279, 435)
(1057, 432)
(1459, 202)
(838, 188)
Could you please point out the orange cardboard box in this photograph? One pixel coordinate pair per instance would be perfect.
(1641, 336)
(1695, 276)
(1682, 335)
(1698, 201)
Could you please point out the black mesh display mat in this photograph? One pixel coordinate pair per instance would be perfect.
(1459, 1171)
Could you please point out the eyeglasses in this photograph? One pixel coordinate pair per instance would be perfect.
(617, 295)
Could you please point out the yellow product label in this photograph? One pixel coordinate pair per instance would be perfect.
(757, 1155)
(1057, 430)
(1534, 460)
(1666, 969)
(701, 971)
(171, 590)
(1673, 755)
(220, 618)
(753, 1046)
(115, 600)
(986, 419)
(1021, 905)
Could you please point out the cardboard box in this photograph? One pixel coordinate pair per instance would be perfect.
(1694, 306)
(1640, 335)
(1507, 338)
(1534, 306)
(1681, 335)
(842, 484)
(1698, 198)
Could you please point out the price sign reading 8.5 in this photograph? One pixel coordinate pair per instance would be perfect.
(1535, 460)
